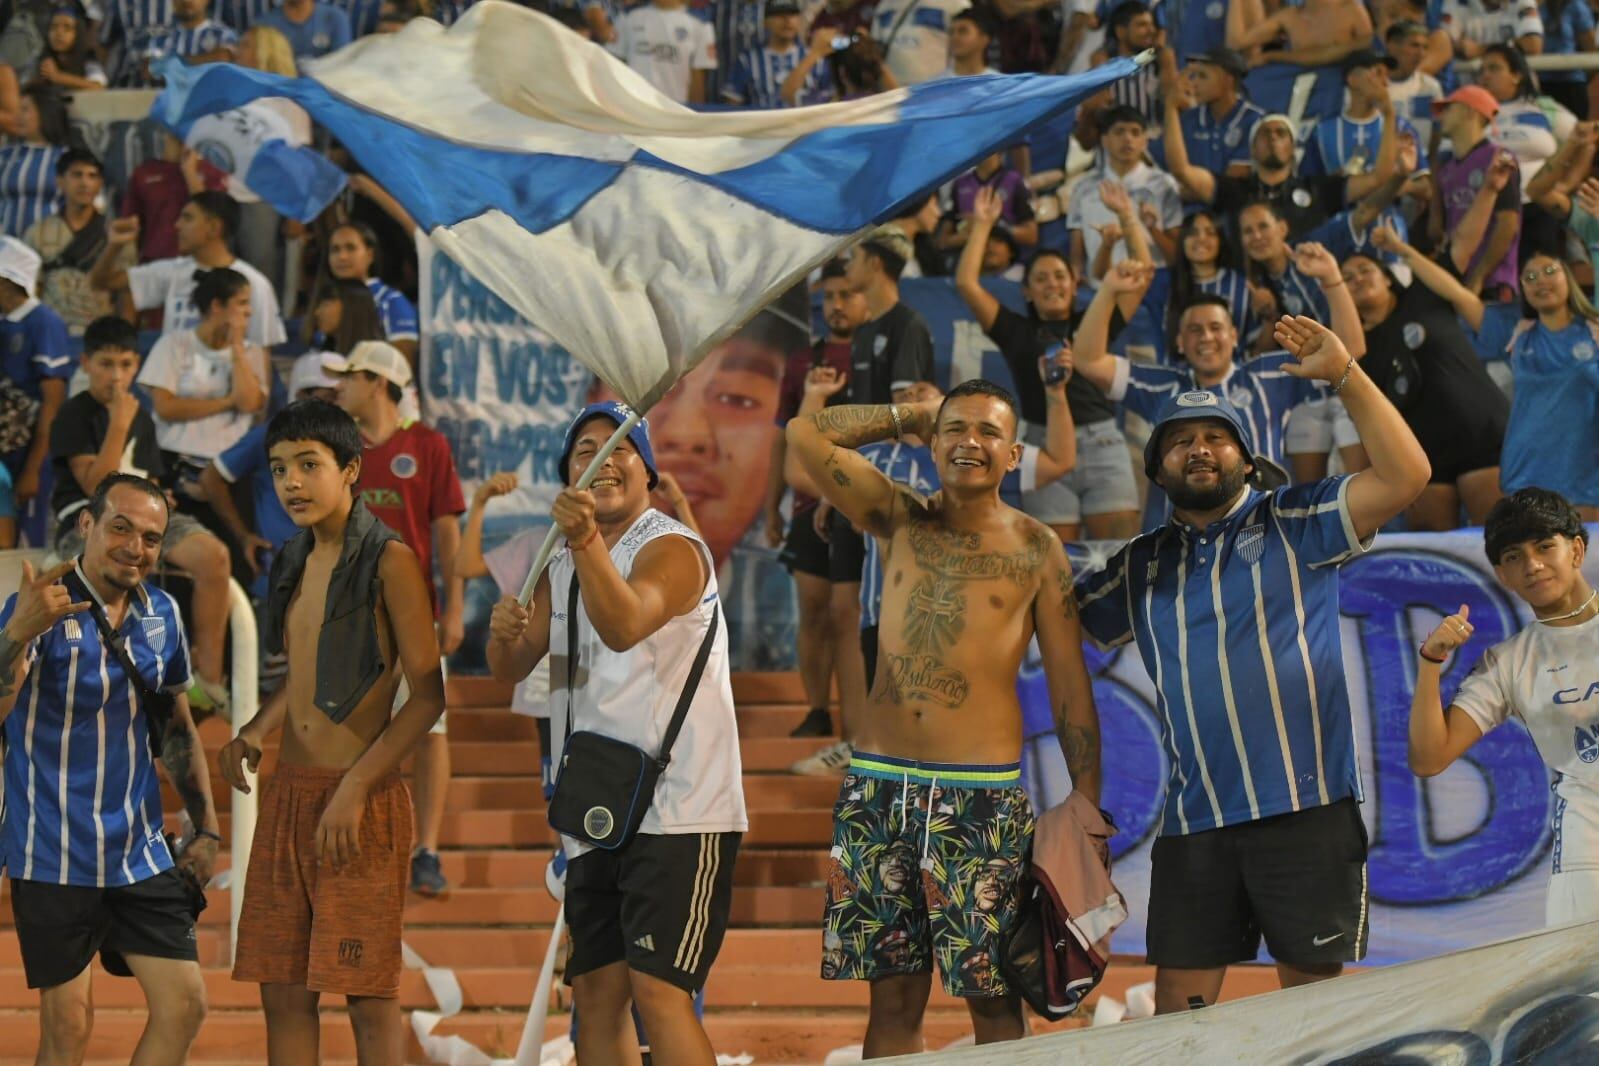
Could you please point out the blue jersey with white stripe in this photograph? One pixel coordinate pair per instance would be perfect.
(184, 41)
(27, 185)
(33, 346)
(83, 800)
(242, 14)
(1300, 294)
(758, 75)
(1214, 144)
(396, 313)
(1342, 145)
(1261, 389)
(1232, 286)
(1238, 625)
(906, 464)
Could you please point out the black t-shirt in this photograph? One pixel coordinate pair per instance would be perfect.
(1022, 341)
(1305, 203)
(1421, 359)
(79, 429)
(896, 346)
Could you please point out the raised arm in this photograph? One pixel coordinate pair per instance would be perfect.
(1382, 168)
(41, 602)
(1399, 469)
(1197, 183)
(1071, 690)
(1467, 304)
(107, 274)
(1317, 262)
(1058, 456)
(825, 443)
(469, 561)
(986, 210)
(1091, 345)
(1439, 735)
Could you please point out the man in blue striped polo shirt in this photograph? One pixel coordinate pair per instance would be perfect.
(81, 840)
(1234, 608)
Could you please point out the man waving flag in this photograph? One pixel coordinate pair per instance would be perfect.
(637, 232)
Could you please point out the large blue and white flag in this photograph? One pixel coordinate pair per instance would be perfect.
(260, 147)
(636, 231)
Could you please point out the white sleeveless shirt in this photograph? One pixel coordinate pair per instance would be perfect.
(630, 695)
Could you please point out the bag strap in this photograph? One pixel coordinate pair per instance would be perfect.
(893, 31)
(155, 703)
(690, 687)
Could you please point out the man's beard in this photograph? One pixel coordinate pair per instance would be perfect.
(1227, 487)
(1271, 165)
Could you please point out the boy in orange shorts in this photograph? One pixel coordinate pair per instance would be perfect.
(325, 892)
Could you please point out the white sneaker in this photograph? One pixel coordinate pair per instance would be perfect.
(831, 761)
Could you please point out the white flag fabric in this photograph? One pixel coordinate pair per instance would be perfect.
(636, 231)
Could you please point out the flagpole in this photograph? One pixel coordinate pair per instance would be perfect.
(547, 549)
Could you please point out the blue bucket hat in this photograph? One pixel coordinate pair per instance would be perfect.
(617, 413)
(1192, 406)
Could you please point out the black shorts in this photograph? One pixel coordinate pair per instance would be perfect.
(846, 555)
(804, 551)
(1299, 879)
(660, 904)
(60, 927)
(869, 654)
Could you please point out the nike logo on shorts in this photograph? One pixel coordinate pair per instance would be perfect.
(1322, 941)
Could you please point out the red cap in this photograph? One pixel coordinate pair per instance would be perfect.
(1475, 97)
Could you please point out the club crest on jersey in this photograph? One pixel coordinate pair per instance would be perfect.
(1300, 197)
(1582, 350)
(155, 633)
(1234, 135)
(1251, 544)
(1215, 10)
(1587, 744)
(403, 465)
(1240, 397)
(1415, 334)
(879, 343)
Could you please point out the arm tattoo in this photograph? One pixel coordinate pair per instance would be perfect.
(10, 652)
(840, 478)
(1068, 597)
(177, 755)
(853, 425)
(1080, 745)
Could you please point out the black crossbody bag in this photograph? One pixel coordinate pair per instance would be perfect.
(157, 705)
(605, 786)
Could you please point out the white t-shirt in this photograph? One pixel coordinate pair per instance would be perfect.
(1548, 676)
(1145, 184)
(169, 284)
(918, 49)
(184, 366)
(1469, 20)
(630, 695)
(508, 565)
(1413, 99)
(666, 46)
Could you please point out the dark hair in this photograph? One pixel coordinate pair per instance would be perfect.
(572, 19)
(981, 387)
(368, 237)
(1205, 299)
(216, 286)
(1124, 13)
(981, 19)
(1185, 287)
(1402, 29)
(358, 316)
(1529, 514)
(404, 10)
(834, 268)
(76, 59)
(54, 124)
(1516, 60)
(915, 206)
(1118, 114)
(136, 481)
(319, 421)
(893, 262)
(858, 69)
(110, 331)
(220, 206)
(393, 391)
(1002, 234)
(1394, 284)
(73, 157)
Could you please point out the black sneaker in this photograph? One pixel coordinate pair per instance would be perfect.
(817, 724)
(427, 877)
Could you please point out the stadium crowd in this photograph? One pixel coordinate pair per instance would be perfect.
(1395, 171)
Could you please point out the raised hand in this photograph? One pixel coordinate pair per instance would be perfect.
(1320, 355)
(1128, 276)
(1588, 196)
(988, 206)
(1315, 261)
(42, 602)
(123, 230)
(1451, 634)
(573, 513)
(1115, 197)
(1500, 171)
(825, 381)
(500, 484)
(509, 620)
(1385, 238)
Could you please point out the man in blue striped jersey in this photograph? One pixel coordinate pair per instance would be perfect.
(759, 72)
(192, 35)
(81, 841)
(1217, 120)
(1234, 609)
(1351, 143)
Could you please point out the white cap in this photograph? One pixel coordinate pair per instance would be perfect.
(19, 263)
(374, 357)
(310, 372)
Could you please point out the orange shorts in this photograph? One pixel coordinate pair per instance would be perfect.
(303, 923)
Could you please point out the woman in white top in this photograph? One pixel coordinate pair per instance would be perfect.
(1547, 675)
(1521, 127)
(207, 383)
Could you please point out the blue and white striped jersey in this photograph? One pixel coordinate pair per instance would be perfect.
(1342, 145)
(1214, 144)
(1298, 294)
(1238, 626)
(758, 74)
(181, 41)
(124, 19)
(242, 14)
(27, 185)
(83, 801)
(396, 313)
(1232, 286)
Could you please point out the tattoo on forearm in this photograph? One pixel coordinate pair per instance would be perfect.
(1068, 597)
(177, 755)
(853, 425)
(1080, 745)
(840, 478)
(10, 652)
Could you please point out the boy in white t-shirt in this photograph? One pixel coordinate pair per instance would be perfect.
(670, 47)
(1547, 675)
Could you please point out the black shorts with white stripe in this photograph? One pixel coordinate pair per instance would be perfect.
(660, 904)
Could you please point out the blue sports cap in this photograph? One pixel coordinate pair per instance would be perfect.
(618, 413)
(1202, 404)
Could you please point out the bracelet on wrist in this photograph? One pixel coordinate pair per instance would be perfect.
(198, 833)
(1349, 368)
(1422, 651)
(1334, 285)
(595, 532)
(899, 430)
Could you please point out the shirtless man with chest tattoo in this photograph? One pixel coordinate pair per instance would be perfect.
(932, 827)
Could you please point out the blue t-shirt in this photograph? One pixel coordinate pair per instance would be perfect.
(1560, 37)
(1552, 440)
(1342, 145)
(327, 30)
(396, 313)
(1214, 144)
(33, 346)
(85, 799)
